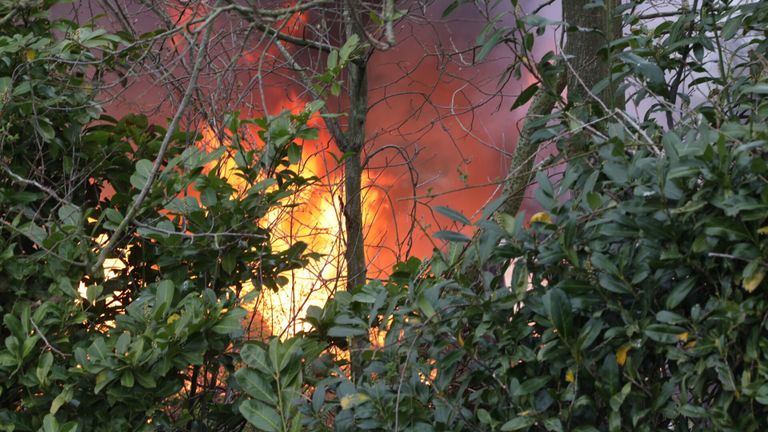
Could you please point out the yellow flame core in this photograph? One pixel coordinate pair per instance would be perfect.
(316, 221)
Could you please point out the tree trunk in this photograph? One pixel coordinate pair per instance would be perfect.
(354, 141)
(353, 212)
(521, 166)
(588, 65)
(587, 68)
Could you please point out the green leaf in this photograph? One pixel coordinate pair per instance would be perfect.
(525, 96)
(731, 27)
(603, 263)
(143, 169)
(679, 293)
(348, 48)
(314, 106)
(294, 153)
(6, 84)
(560, 312)
(262, 185)
(484, 416)
(145, 380)
(693, 411)
(126, 379)
(618, 399)
(425, 305)
(363, 297)
(102, 379)
(163, 296)
(452, 236)
(209, 197)
(333, 59)
(50, 424)
(121, 346)
(594, 200)
(352, 400)
(93, 292)
(490, 43)
(664, 333)
(256, 386)
(553, 424)
(453, 215)
(69, 426)
(113, 215)
(65, 396)
(518, 423)
(229, 261)
(45, 129)
(261, 416)
(344, 331)
(290, 352)
(614, 421)
(652, 72)
(614, 284)
(755, 89)
(34, 232)
(451, 7)
(44, 367)
(669, 317)
(70, 215)
(231, 322)
(254, 356)
(530, 386)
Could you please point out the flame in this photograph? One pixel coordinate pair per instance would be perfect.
(317, 220)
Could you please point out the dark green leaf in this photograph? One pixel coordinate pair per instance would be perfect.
(231, 322)
(452, 236)
(255, 385)
(261, 416)
(525, 96)
(560, 312)
(518, 423)
(490, 43)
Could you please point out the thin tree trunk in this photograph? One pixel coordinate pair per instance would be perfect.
(589, 65)
(587, 68)
(354, 140)
(521, 166)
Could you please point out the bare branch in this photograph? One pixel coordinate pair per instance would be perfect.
(133, 210)
(45, 340)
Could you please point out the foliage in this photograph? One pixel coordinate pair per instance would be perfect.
(273, 376)
(634, 301)
(150, 344)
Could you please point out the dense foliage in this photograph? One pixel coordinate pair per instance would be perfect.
(636, 298)
(150, 344)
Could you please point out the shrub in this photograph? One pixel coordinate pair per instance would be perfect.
(150, 346)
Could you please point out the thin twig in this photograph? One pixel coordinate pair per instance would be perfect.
(47, 343)
(134, 209)
(727, 256)
(28, 182)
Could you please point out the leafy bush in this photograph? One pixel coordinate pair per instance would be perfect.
(634, 301)
(150, 346)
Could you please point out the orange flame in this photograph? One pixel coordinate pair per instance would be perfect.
(317, 221)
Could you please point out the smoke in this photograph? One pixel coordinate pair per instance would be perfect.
(439, 130)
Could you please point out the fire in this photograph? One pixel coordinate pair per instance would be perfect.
(317, 220)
